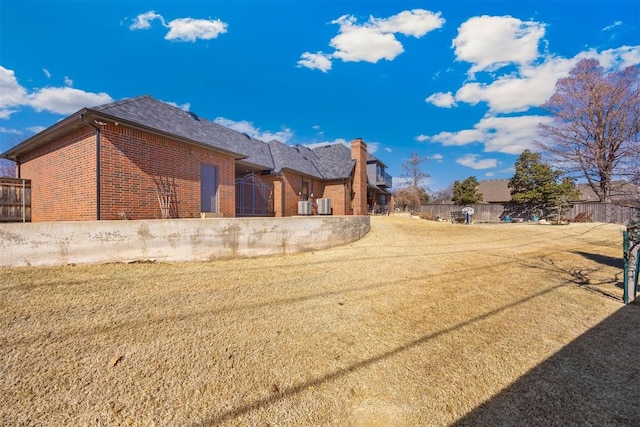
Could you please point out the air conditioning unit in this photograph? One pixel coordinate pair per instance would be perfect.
(304, 208)
(324, 206)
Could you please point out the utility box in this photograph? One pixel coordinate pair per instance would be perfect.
(304, 208)
(324, 206)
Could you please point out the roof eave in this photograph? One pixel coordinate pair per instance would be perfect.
(44, 136)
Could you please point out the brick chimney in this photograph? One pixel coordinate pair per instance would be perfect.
(359, 154)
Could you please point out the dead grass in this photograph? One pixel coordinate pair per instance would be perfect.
(418, 323)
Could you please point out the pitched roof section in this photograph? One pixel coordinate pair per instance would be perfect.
(331, 161)
(298, 158)
(494, 190)
(151, 113)
(373, 159)
(334, 161)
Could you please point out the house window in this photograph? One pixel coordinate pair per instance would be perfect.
(305, 191)
(208, 188)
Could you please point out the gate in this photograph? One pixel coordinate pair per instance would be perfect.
(253, 196)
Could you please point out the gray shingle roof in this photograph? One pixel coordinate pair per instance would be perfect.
(331, 161)
(298, 158)
(494, 190)
(334, 161)
(149, 112)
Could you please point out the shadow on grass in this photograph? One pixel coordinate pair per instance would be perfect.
(315, 382)
(594, 380)
(603, 259)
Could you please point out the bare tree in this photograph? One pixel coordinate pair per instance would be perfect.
(416, 178)
(442, 195)
(7, 169)
(596, 125)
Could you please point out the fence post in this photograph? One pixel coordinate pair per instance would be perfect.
(24, 199)
(631, 260)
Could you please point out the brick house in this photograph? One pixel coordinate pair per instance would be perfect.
(140, 158)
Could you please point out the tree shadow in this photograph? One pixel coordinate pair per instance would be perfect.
(594, 380)
(602, 259)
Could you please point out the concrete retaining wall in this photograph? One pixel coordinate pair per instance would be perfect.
(58, 243)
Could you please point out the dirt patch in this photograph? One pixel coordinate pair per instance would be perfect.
(418, 323)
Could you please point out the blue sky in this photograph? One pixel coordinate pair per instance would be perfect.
(456, 81)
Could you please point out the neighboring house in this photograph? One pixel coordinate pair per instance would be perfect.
(378, 193)
(497, 191)
(141, 158)
(494, 191)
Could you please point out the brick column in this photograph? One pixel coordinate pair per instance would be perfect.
(359, 154)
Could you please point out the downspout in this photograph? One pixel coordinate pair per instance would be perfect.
(97, 165)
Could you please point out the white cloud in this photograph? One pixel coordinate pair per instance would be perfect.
(472, 161)
(416, 22)
(438, 158)
(184, 107)
(58, 100)
(36, 129)
(512, 93)
(189, 29)
(315, 61)
(143, 21)
(363, 43)
(613, 59)
(510, 135)
(422, 138)
(388, 150)
(441, 99)
(491, 42)
(46, 73)
(65, 100)
(182, 29)
(533, 84)
(68, 81)
(372, 147)
(10, 131)
(374, 40)
(612, 26)
(463, 137)
(490, 174)
(247, 127)
(5, 113)
(13, 94)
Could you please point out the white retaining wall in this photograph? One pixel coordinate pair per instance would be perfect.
(76, 242)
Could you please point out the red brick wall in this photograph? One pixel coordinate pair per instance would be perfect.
(63, 178)
(338, 192)
(132, 162)
(292, 186)
(359, 153)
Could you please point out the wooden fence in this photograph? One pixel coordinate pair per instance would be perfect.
(595, 211)
(15, 200)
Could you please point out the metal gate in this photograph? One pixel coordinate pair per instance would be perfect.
(253, 196)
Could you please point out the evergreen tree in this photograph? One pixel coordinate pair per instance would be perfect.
(466, 192)
(539, 185)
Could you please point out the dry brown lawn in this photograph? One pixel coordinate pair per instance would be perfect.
(418, 323)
